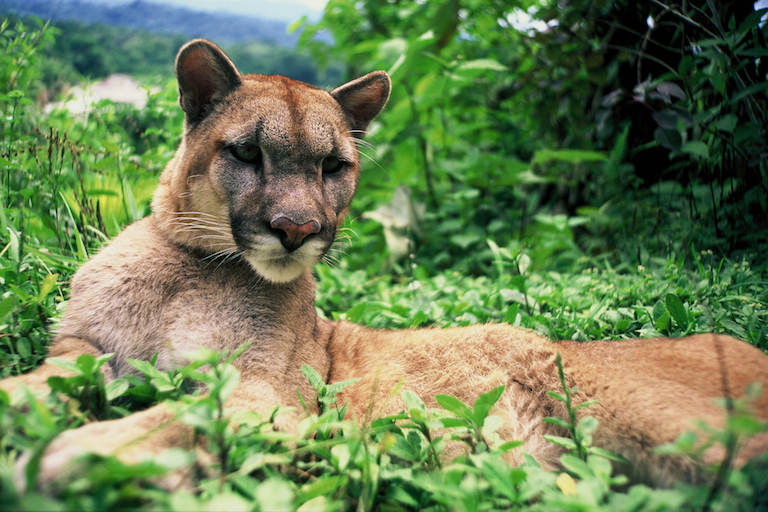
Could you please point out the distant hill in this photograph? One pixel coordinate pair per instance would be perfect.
(157, 18)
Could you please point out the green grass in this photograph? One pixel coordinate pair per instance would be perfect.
(391, 463)
(68, 183)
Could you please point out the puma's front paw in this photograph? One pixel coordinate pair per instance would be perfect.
(148, 444)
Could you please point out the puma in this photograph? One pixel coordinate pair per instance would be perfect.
(252, 199)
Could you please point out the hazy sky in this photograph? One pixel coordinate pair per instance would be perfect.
(283, 10)
(319, 4)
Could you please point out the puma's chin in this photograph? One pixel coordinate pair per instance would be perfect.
(281, 270)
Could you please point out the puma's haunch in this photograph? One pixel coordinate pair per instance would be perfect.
(252, 199)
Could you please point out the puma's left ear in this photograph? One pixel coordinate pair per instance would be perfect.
(364, 98)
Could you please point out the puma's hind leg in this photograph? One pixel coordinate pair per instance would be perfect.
(65, 348)
(650, 391)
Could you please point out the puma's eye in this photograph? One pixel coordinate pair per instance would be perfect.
(248, 153)
(332, 165)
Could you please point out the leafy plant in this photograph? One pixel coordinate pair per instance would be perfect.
(326, 393)
(86, 387)
(475, 419)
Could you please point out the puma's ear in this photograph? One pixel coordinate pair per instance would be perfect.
(205, 75)
(363, 98)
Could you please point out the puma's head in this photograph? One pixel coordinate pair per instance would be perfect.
(267, 166)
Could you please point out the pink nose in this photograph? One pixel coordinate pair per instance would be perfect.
(292, 235)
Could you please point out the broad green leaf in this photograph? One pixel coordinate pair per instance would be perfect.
(412, 401)
(666, 119)
(321, 486)
(587, 424)
(86, 363)
(575, 465)
(453, 422)
(669, 139)
(314, 378)
(485, 403)
(509, 445)
(465, 240)
(727, 123)
(709, 42)
(734, 327)
(417, 414)
(456, 406)
(623, 324)
(105, 192)
(337, 387)
(238, 352)
(145, 368)
(110, 146)
(24, 296)
(103, 359)
(6, 306)
(143, 393)
(677, 310)
(45, 288)
(561, 441)
(59, 384)
(401, 495)
(560, 422)
(588, 403)
(753, 52)
(66, 364)
(556, 396)
(116, 388)
(607, 454)
(600, 465)
(341, 454)
(478, 66)
(23, 348)
(662, 324)
(228, 380)
(696, 148)
(670, 90)
(568, 155)
(749, 91)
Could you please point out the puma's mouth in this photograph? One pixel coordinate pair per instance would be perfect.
(274, 263)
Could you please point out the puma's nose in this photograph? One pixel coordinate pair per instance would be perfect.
(292, 235)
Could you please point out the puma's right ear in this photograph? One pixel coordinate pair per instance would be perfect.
(205, 75)
(364, 98)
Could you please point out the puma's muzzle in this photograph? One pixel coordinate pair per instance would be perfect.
(292, 235)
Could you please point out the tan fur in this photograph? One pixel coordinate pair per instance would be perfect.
(208, 269)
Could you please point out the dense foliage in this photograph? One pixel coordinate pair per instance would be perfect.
(644, 119)
(600, 179)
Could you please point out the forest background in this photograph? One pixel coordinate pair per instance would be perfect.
(602, 176)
